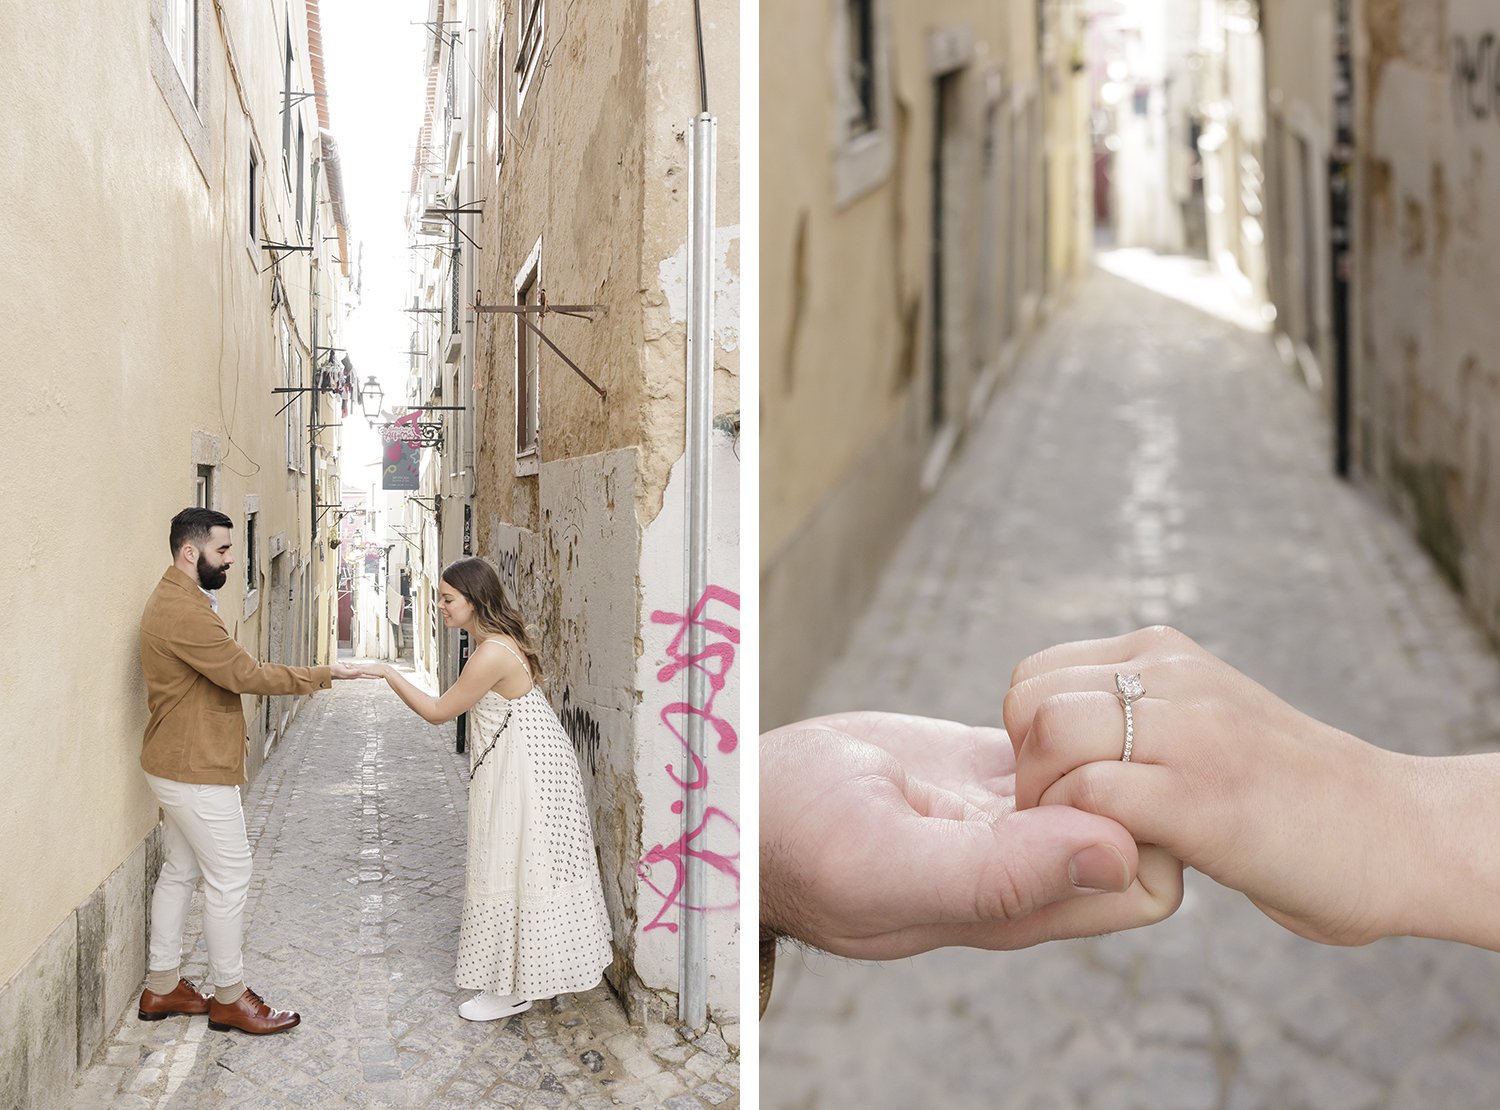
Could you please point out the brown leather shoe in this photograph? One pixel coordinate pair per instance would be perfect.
(183, 999)
(249, 1015)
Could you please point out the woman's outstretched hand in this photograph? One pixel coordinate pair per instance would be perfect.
(1339, 841)
(885, 835)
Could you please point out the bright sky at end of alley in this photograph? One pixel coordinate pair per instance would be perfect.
(374, 58)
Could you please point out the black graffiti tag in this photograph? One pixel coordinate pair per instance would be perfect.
(1476, 77)
(582, 729)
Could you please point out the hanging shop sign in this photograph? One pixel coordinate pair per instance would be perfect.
(401, 460)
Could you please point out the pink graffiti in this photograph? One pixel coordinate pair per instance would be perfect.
(715, 661)
(676, 854)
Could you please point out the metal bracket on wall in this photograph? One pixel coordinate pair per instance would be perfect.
(292, 98)
(588, 312)
(285, 249)
(472, 208)
(338, 512)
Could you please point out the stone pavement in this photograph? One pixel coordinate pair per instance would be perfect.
(1150, 462)
(358, 827)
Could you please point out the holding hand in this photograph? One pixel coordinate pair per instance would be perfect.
(885, 835)
(1339, 841)
(347, 670)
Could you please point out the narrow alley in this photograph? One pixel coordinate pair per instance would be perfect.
(1153, 461)
(358, 828)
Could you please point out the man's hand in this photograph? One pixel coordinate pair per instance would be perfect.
(346, 670)
(885, 835)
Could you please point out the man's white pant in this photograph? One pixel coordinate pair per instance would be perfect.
(204, 837)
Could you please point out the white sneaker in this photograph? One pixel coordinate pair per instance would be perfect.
(485, 1006)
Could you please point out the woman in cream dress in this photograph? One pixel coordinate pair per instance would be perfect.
(534, 923)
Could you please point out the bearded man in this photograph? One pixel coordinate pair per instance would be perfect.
(194, 759)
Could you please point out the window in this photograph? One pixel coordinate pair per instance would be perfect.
(455, 268)
(865, 151)
(252, 569)
(179, 27)
(181, 67)
(204, 497)
(253, 190)
(529, 25)
(500, 103)
(291, 374)
(301, 171)
(528, 353)
(861, 63)
(286, 106)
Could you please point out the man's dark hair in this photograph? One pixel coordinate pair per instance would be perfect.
(193, 526)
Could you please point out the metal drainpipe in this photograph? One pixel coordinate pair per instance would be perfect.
(692, 1005)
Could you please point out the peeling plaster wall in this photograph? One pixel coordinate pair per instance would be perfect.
(572, 568)
(665, 770)
(591, 547)
(1429, 347)
(596, 166)
(572, 177)
(673, 102)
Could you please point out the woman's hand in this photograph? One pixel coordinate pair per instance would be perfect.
(1313, 824)
(884, 835)
(376, 670)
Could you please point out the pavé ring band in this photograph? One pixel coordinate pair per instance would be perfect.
(1131, 690)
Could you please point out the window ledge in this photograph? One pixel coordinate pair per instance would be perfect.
(862, 164)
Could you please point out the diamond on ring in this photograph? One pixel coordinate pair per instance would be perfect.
(1131, 690)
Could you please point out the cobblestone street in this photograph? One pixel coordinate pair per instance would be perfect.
(1150, 462)
(358, 826)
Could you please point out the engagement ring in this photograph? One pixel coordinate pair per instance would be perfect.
(1131, 690)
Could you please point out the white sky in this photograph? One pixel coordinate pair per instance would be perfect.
(374, 54)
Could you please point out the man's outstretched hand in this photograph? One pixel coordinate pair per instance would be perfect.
(884, 835)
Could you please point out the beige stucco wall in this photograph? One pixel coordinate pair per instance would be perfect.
(1427, 386)
(848, 437)
(142, 348)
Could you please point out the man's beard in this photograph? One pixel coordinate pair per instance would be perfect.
(211, 578)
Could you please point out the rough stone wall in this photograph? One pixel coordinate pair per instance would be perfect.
(1429, 374)
(595, 167)
(57, 1009)
(572, 176)
(590, 543)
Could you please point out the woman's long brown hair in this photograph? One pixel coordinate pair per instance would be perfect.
(481, 587)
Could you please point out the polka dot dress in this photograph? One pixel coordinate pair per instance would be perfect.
(534, 922)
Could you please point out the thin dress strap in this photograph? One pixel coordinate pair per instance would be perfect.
(520, 658)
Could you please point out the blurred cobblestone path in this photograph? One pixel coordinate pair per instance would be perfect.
(1148, 463)
(358, 826)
